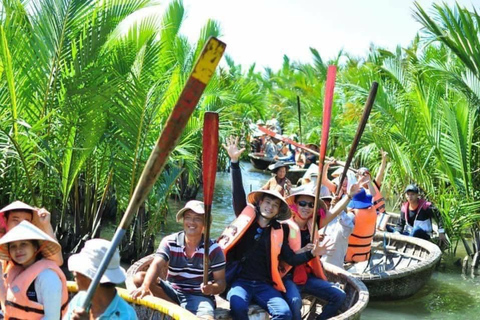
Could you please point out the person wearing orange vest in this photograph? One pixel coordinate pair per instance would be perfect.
(253, 245)
(309, 278)
(36, 287)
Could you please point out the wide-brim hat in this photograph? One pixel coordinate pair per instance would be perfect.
(277, 165)
(196, 206)
(291, 198)
(88, 260)
(361, 200)
(338, 171)
(16, 205)
(284, 211)
(27, 231)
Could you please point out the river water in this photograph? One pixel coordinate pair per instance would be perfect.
(448, 294)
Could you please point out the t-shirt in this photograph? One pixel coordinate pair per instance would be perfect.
(118, 309)
(186, 274)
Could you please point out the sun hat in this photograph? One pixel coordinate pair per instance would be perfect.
(196, 206)
(291, 198)
(338, 171)
(284, 211)
(277, 165)
(363, 170)
(16, 205)
(361, 200)
(88, 261)
(27, 231)
(412, 188)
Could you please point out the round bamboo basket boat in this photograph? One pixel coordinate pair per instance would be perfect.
(355, 303)
(399, 266)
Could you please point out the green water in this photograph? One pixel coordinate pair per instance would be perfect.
(448, 294)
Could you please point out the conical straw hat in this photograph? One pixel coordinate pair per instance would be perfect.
(27, 231)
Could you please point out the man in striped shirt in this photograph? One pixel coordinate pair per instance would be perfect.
(182, 253)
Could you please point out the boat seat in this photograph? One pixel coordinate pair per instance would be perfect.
(223, 310)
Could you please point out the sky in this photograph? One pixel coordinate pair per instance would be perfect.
(263, 31)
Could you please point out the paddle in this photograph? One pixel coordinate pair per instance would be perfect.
(209, 166)
(358, 134)
(183, 109)
(299, 119)
(327, 114)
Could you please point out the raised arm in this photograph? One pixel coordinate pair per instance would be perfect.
(325, 181)
(239, 197)
(44, 218)
(381, 171)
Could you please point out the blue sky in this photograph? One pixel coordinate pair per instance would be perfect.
(262, 31)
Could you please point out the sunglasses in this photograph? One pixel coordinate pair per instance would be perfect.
(305, 203)
(259, 234)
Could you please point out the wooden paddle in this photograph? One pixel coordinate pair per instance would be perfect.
(209, 166)
(183, 109)
(327, 114)
(299, 119)
(358, 134)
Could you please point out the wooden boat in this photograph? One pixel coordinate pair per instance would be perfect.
(259, 161)
(357, 295)
(399, 266)
(147, 308)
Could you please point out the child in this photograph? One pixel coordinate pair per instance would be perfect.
(36, 287)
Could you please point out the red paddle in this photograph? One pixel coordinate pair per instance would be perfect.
(209, 166)
(327, 114)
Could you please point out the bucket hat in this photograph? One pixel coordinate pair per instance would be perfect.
(277, 165)
(88, 260)
(196, 206)
(361, 200)
(284, 211)
(27, 231)
(412, 188)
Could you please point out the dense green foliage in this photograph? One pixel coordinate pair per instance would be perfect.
(86, 86)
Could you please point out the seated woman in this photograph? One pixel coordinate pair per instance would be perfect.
(279, 182)
(36, 287)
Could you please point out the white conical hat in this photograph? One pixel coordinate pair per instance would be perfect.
(27, 231)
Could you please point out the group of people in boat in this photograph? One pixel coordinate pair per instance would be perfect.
(34, 287)
(269, 255)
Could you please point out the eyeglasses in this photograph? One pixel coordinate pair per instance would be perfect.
(305, 203)
(259, 234)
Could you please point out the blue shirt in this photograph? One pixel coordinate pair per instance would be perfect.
(118, 308)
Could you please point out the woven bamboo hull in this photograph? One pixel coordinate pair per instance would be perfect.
(259, 161)
(357, 295)
(398, 269)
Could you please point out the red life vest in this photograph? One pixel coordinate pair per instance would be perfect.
(360, 241)
(237, 229)
(17, 304)
(378, 200)
(295, 242)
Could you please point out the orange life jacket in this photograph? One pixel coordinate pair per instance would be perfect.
(295, 242)
(378, 199)
(17, 304)
(237, 229)
(360, 241)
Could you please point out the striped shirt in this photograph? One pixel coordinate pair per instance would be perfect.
(186, 274)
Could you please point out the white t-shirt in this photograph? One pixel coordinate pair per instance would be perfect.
(48, 287)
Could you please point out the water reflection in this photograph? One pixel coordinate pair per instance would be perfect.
(447, 295)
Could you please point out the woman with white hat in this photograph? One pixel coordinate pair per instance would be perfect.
(36, 287)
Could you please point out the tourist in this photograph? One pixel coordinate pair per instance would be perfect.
(299, 280)
(416, 217)
(35, 287)
(254, 243)
(106, 303)
(279, 182)
(182, 253)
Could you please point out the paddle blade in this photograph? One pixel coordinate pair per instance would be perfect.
(210, 155)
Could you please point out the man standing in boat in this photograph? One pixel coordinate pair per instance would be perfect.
(416, 217)
(182, 253)
(254, 243)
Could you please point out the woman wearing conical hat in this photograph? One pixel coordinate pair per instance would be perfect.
(36, 287)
